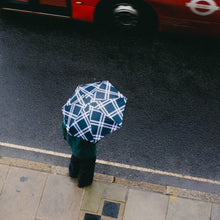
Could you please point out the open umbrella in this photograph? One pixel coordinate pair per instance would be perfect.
(94, 110)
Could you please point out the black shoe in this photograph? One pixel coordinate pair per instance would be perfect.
(84, 185)
(86, 172)
(74, 167)
(72, 174)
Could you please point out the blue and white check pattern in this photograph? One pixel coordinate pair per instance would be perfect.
(94, 110)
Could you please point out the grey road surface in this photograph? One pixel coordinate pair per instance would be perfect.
(171, 121)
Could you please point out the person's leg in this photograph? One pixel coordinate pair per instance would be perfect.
(74, 166)
(86, 172)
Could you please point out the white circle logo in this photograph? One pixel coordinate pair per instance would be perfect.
(199, 8)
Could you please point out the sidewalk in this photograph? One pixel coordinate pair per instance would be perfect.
(36, 191)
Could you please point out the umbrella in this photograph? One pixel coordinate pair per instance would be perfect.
(94, 110)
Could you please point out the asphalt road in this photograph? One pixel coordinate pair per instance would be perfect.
(171, 121)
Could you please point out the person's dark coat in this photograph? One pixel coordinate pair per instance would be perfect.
(81, 149)
(82, 162)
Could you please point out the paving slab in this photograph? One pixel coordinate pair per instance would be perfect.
(3, 174)
(215, 212)
(144, 205)
(21, 194)
(192, 194)
(29, 191)
(98, 190)
(182, 209)
(61, 199)
(108, 210)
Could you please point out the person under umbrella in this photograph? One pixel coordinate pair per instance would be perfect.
(93, 111)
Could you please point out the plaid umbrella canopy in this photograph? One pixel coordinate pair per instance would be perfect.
(94, 110)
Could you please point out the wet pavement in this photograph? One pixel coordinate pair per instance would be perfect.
(36, 191)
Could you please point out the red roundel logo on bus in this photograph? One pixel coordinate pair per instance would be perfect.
(203, 7)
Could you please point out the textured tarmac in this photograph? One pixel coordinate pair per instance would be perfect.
(172, 116)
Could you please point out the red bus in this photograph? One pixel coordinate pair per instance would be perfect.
(197, 16)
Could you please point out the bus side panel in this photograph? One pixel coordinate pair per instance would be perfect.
(165, 11)
(85, 11)
(59, 3)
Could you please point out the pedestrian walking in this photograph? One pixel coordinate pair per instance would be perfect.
(82, 162)
(94, 111)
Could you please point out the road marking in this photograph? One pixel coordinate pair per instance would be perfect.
(20, 147)
(120, 165)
